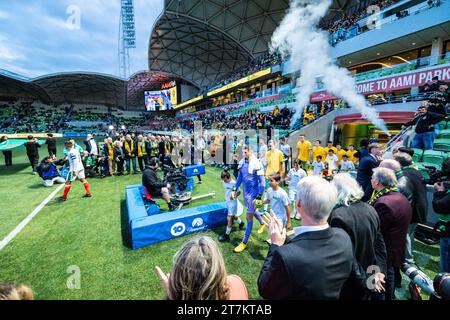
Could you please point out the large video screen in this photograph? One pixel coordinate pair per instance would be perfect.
(161, 100)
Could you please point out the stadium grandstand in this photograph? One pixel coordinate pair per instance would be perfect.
(219, 98)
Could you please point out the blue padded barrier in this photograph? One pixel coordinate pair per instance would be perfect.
(150, 229)
(135, 203)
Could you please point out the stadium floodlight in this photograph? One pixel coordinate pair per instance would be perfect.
(127, 36)
(111, 128)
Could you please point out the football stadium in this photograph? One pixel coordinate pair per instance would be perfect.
(253, 149)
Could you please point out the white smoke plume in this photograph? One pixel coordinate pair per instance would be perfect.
(309, 52)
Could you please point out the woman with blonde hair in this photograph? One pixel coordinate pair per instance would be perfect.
(199, 274)
(13, 292)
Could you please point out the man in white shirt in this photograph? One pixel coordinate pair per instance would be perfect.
(91, 145)
(76, 171)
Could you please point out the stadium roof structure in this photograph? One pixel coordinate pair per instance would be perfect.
(84, 88)
(14, 87)
(195, 41)
(146, 81)
(204, 40)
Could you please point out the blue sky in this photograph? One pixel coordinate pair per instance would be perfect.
(37, 37)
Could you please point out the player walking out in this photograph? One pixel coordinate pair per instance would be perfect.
(251, 175)
(76, 171)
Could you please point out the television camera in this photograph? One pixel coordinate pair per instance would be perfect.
(437, 289)
(177, 177)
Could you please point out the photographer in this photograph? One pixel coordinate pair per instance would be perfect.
(441, 205)
(101, 166)
(155, 186)
(424, 122)
(89, 164)
(49, 173)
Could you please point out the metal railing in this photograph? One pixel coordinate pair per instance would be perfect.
(342, 34)
(410, 65)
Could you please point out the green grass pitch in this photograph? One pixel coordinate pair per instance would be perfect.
(91, 234)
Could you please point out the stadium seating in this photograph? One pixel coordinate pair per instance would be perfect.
(434, 158)
(442, 144)
(443, 125)
(444, 133)
(418, 153)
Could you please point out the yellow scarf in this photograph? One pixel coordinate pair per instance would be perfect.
(127, 146)
(154, 148)
(141, 149)
(110, 150)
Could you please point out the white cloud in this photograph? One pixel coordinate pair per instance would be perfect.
(38, 39)
(4, 15)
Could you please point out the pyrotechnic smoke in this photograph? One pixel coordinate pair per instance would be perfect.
(309, 52)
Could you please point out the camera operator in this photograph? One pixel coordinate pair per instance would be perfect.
(101, 166)
(48, 172)
(441, 205)
(155, 186)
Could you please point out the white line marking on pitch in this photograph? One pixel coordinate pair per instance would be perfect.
(25, 221)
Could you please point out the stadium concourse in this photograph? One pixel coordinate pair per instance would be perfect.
(321, 187)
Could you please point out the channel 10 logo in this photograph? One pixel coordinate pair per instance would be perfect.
(178, 229)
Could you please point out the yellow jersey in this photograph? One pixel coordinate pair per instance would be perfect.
(273, 160)
(340, 154)
(318, 151)
(351, 156)
(304, 149)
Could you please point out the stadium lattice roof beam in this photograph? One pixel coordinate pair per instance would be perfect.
(16, 88)
(204, 40)
(85, 88)
(88, 88)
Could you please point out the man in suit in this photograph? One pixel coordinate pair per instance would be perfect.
(91, 145)
(366, 165)
(318, 260)
(395, 215)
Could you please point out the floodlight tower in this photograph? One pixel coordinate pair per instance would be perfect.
(127, 36)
